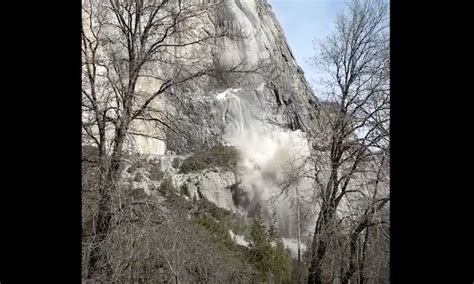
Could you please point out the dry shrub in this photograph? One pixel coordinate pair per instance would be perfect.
(217, 156)
(154, 241)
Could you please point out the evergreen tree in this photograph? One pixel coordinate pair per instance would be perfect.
(281, 262)
(268, 252)
(273, 230)
(261, 251)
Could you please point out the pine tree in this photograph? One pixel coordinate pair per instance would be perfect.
(281, 262)
(273, 230)
(268, 253)
(261, 251)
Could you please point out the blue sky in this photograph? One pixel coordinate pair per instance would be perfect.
(303, 21)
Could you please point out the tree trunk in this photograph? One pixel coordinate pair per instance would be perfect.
(362, 263)
(103, 224)
(108, 177)
(322, 232)
(299, 235)
(320, 243)
(353, 253)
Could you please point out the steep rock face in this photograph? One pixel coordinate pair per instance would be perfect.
(212, 186)
(265, 109)
(268, 80)
(282, 85)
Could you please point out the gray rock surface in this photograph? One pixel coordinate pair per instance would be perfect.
(269, 90)
(276, 91)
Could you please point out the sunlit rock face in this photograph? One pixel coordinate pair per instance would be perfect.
(266, 114)
(269, 154)
(274, 87)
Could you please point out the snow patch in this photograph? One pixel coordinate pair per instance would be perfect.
(238, 239)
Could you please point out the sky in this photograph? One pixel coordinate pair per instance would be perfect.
(303, 21)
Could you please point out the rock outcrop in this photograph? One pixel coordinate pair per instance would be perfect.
(266, 77)
(263, 107)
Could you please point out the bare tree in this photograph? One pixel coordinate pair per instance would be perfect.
(356, 59)
(375, 202)
(155, 241)
(125, 46)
